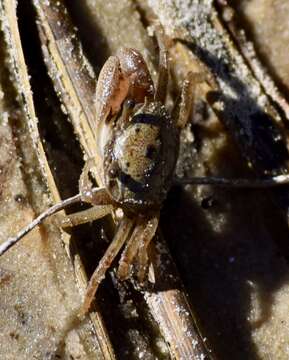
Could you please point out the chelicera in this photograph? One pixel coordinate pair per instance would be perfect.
(138, 145)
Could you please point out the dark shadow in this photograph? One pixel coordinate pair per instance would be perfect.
(226, 250)
(259, 139)
(221, 264)
(257, 135)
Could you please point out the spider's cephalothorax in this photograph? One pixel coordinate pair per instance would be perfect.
(140, 158)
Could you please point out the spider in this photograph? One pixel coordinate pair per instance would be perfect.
(138, 145)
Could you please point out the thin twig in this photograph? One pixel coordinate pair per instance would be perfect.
(235, 183)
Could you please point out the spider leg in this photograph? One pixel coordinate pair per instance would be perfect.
(142, 235)
(97, 193)
(85, 187)
(84, 181)
(163, 71)
(119, 239)
(82, 217)
(143, 259)
(130, 250)
(184, 103)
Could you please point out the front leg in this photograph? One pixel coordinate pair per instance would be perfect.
(85, 184)
(163, 69)
(100, 197)
(184, 104)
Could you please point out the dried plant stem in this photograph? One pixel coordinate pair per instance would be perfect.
(236, 183)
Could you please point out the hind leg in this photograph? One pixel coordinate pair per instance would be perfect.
(143, 259)
(118, 241)
(142, 235)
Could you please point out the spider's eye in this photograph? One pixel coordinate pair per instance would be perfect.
(129, 104)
